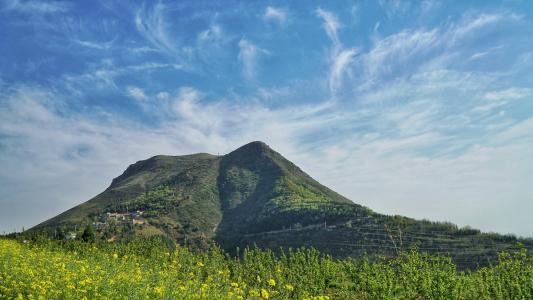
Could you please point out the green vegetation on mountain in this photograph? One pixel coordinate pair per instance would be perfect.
(254, 196)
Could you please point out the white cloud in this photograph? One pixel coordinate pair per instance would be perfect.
(248, 57)
(395, 50)
(143, 49)
(36, 7)
(211, 34)
(275, 14)
(509, 94)
(519, 133)
(136, 93)
(105, 74)
(501, 98)
(150, 66)
(338, 67)
(163, 96)
(274, 93)
(434, 48)
(339, 58)
(394, 8)
(152, 25)
(331, 24)
(471, 25)
(95, 45)
(474, 188)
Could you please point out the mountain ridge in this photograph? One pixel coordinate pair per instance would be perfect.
(254, 196)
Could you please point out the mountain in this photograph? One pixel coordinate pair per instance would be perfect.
(254, 196)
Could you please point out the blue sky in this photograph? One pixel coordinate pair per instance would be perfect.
(420, 108)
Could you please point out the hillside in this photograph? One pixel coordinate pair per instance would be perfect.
(254, 195)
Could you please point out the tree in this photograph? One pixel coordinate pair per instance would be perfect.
(60, 234)
(349, 224)
(88, 234)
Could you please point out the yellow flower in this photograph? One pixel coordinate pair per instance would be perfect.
(289, 287)
(200, 264)
(264, 294)
(234, 284)
(254, 293)
(272, 282)
(115, 256)
(159, 290)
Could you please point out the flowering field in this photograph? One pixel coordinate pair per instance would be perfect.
(149, 270)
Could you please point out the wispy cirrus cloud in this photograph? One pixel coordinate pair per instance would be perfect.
(393, 8)
(471, 24)
(36, 7)
(339, 57)
(249, 54)
(394, 50)
(95, 45)
(509, 94)
(105, 75)
(213, 33)
(136, 92)
(430, 48)
(275, 14)
(331, 24)
(339, 65)
(151, 23)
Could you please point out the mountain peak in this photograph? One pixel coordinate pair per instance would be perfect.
(251, 150)
(253, 146)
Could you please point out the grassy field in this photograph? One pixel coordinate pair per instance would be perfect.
(148, 269)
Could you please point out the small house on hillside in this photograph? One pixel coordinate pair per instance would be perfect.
(136, 214)
(112, 239)
(138, 221)
(117, 216)
(71, 236)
